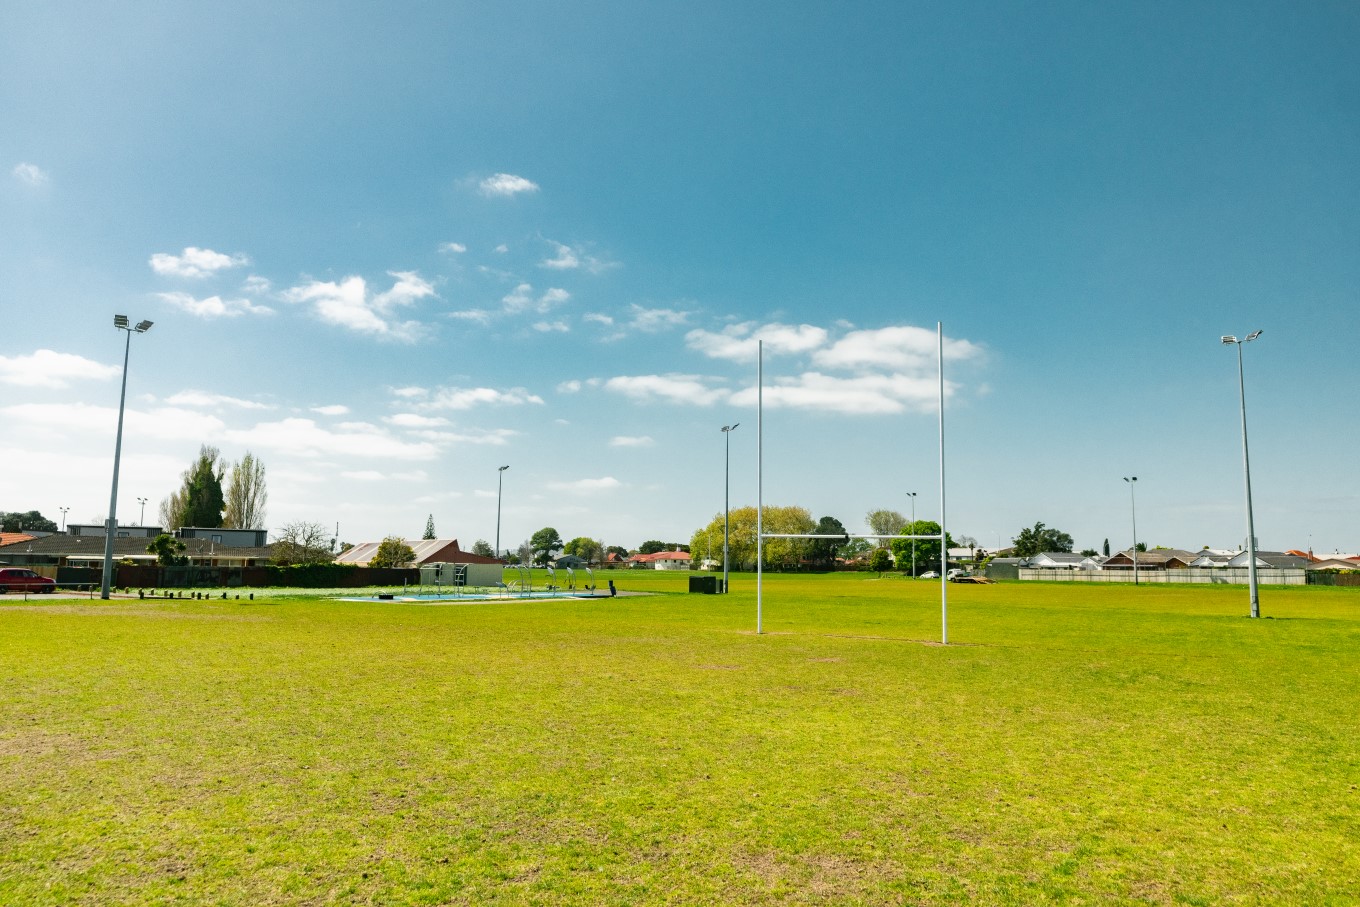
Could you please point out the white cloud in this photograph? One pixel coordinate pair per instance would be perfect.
(202, 398)
(652, 321)
(47, 368)
(162, 424)
(863, 394)
(902, 348)
(462, 398)
(477, 316)
(29, 173)
(333, 409)
(348, 304)
(304, 438)
(672, 388)
(214, 306)
(194, 262)
(257, 285)
(569, 387)
(627, 441)
(506, 184)
(495, 437)
(415, 420)
(522, 299)
(598, 318)
(586, 486)
(501, 249)
(738, 342)
(364, 475)
(409, 392)
(452, 248)
(566, 258)
(547, 327)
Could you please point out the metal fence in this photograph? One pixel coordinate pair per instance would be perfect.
(1228, 576)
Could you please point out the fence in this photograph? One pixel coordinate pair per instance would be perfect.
(1234, 576)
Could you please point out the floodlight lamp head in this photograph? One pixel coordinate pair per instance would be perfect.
(1229, 339)
(120, 321)
(504, 468)
(1130, 480)
(143, 327)
(1252, 336)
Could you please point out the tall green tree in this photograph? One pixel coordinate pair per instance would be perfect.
(429, 528)
(1040, 538)
(822, 552)
(544, 542)
(927, 550)
(199, 500)
(169, 550)
(246, 494)
(741, 543)
(483, 548)
(586, 549)
(880, 561)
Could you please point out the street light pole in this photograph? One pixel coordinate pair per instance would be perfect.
(111, 527)
(500, 475)
(1246, 470)
(727, 488)
(141, 521)
(1133, 507)
(912, 495)
(63, 517)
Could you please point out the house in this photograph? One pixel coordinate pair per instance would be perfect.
(1156, 559)
(122, 532)
(1211, 557)
(1334, 563)
(661, 560)
(427, 551)
(222, 535)
(1065, 560)
(61, 550)
(1266, 559)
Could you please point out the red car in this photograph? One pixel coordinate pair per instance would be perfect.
(21, 580)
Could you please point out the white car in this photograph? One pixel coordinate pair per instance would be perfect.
(929, 574)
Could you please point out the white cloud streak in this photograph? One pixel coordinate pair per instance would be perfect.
(31, 174)
(194, 262)
(48, 368)
(671, 388)
(214, 306)
(631, 441)
(203, 398)
(738, 342)
(505, 185)
(349, 304)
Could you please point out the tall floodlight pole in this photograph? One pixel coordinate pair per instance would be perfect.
(111, 527)
(1133, 508)
(760, 479)
(1246, 469)
(141, 520)
(727, 489)
(912, 495)
(63, 517)
(500, 475)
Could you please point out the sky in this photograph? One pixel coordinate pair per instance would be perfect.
(390, 248)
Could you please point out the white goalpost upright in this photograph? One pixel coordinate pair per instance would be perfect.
(762, 535)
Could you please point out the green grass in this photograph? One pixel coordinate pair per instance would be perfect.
(1074, 745)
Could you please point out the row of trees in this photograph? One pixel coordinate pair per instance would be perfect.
(202, 501)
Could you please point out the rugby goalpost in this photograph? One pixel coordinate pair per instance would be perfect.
(762, 535)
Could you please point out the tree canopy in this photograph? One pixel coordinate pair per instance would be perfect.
(483, 547)
(543, 543)
(244, 506)
(392, 552)
(927, 550)
(1040, 538)
(32, 519)
(199, 500)
(587, 549)
(302, 542)
(885, 522)
(880, 561)
(742, 537)
(822, 552)
(169, 550)
(429, 528)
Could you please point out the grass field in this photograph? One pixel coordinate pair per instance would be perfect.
(1077, 745)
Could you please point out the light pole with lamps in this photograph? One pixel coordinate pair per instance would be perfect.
(1133, 508)
(500, 475)
(912, 495)
(727, 488)
(141, 520)
(111, 527)
(1246, 469)
(63, 517)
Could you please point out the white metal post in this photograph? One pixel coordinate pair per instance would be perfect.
(760, 480)
(944, 534)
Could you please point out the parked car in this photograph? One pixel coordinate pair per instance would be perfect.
(21, 580)
(930, 574)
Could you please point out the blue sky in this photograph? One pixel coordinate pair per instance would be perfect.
(388, 250)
